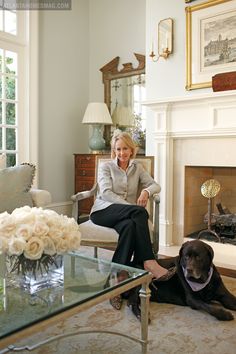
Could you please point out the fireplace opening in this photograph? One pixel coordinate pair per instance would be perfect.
(223, 205)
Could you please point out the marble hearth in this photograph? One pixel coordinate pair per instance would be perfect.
(189, 131)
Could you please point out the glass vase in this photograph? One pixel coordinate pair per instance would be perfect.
(35, 275)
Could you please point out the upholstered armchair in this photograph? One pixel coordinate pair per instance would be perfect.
(15, 187)
(105, 237)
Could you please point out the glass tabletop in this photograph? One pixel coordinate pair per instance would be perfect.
(85, 278)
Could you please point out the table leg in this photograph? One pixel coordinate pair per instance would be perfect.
(144, 298)
(72, 269)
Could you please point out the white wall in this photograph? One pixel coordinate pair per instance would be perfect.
(73, 46)
(117, 28)
(166, 78)
(63, 95)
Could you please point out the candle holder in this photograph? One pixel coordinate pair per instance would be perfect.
(165, 40)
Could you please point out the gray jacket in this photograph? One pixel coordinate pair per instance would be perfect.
(123, 187)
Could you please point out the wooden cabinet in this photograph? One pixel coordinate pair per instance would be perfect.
(84, 178)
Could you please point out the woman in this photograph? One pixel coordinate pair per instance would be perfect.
(118, 206)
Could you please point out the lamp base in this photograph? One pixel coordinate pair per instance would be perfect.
(96, 141)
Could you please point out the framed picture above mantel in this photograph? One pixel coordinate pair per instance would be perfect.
(210, 41)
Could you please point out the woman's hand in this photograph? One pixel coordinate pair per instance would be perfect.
(143, 198)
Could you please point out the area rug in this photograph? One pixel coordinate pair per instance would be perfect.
(173, 330)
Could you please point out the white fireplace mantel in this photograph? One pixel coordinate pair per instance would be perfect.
(197, 130)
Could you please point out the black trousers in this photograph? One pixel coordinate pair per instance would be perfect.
(131, 223)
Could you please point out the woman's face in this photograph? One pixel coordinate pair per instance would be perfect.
(122, 151)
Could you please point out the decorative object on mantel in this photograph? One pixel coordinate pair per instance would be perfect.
(33, 241)
(97, 115)
(164, 40)
(210, 41)
(224, 81)
(210, 189)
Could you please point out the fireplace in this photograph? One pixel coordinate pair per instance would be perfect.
(197, 131)
(196, 205)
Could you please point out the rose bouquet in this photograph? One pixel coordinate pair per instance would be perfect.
(33, 237)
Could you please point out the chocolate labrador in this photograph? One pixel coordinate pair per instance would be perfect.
(196, 283)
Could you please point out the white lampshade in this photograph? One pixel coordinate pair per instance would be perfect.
(97, 113)
(123, 116)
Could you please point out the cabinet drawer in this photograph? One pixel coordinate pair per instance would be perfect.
(85, 161)
(84, 185)
(84, 165)
(85, 172)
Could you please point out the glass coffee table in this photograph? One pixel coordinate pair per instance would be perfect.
(87, 282)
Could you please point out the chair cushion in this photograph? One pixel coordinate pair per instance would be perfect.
(15, 183)
(91, 232)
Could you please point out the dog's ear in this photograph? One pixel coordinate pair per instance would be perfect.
(181, 258)
(182, 248)
(210, 251)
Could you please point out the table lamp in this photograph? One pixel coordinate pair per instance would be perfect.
(97, 115)
(123, 117)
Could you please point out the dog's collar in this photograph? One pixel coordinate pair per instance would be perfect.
(198, 286)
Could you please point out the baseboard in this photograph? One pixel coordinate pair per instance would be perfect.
(64, 208)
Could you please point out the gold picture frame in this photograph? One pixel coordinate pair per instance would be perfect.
(209, 51)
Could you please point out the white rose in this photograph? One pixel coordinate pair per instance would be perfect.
(34, 248)
(24, 231)
(7, 225)
(55, 232)
(70, 225)
(73, 240)
(16, 246)
(24, 215)
(3, 216)
(40, 229)
(4, 245)
(49, 246)
(50, 217)
(61, 245)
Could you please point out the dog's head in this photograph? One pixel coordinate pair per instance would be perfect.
(196, 260)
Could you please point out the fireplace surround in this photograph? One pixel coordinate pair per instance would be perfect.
(197, 131)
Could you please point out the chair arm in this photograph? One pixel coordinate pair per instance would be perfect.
(40, 197)
(81, 196)
(85, 194)
(156, 198)
(156, 201)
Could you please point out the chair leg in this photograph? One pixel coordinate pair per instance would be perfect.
(95, 252)
(156, 231)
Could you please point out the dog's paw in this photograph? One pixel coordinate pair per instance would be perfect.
(223, 315)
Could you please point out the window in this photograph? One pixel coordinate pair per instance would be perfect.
(13, 84)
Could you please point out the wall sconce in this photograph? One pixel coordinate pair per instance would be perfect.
(165, 40)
